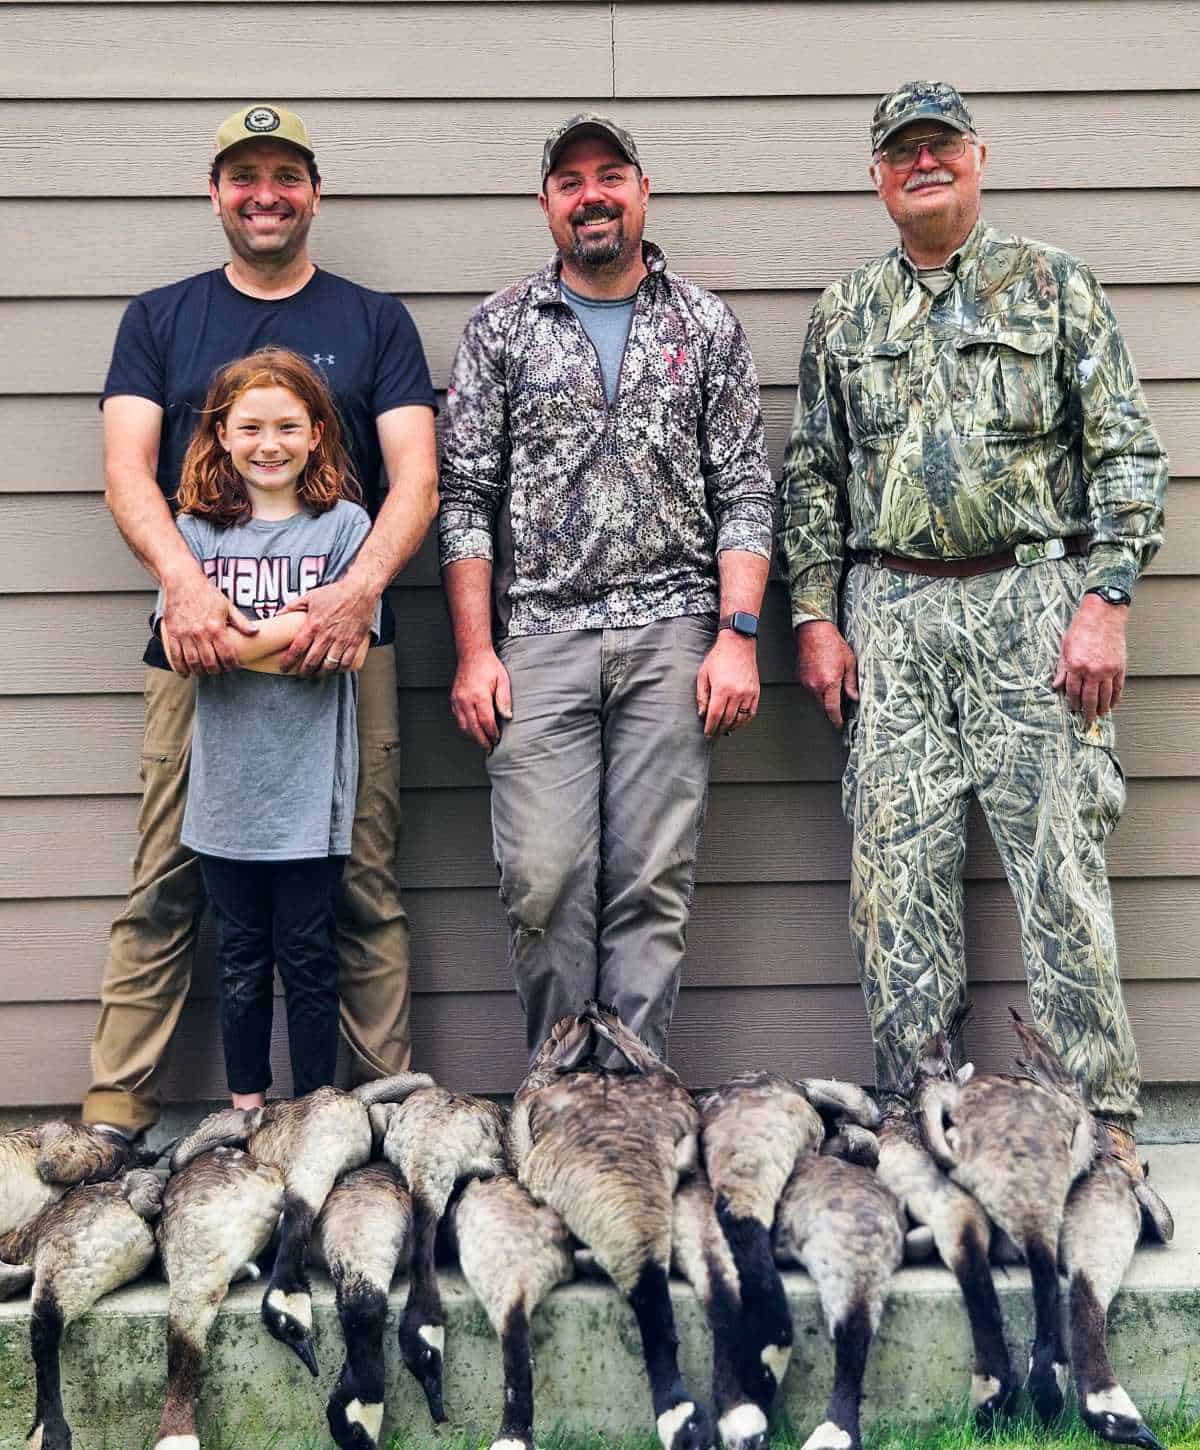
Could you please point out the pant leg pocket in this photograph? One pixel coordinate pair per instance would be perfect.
(1100, 781)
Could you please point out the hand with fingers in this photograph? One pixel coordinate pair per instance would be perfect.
(340, 616)
(197, 625)
(1092, 657)
(481, 697)
(826, 666)
(727, 688)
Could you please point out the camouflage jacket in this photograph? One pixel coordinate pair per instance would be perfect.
(1007, 411)
(595, 514)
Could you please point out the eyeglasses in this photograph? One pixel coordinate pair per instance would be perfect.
(943, 146)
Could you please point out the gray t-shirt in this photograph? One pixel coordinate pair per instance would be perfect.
(607, 324)
(274, 757)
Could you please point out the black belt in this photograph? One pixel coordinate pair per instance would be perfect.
(1023, 554)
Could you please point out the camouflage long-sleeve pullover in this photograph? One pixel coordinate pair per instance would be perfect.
(1007, 411)
(596, 514)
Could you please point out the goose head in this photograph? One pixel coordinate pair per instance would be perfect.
(685, 1426)
(288, 1318)
(1113, 1416)
(422, 1348)
(354, 1424)
(744, 1427)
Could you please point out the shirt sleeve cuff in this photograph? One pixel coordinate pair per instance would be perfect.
(811, 607)
(1113, 564)
(748, 535)
(464, 543)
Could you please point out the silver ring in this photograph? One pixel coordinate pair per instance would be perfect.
(744, 710)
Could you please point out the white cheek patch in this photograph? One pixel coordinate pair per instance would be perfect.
(369, 1416)
(1111, 1402)
(35, 1439)
(298, 1306)
(777, 1357)
(178, 1442)
(509, 1445)
(1062, 1375)
(745, 1422)
(828, 1437)
(669, 1421)
(983, 1387)
(434, 1335)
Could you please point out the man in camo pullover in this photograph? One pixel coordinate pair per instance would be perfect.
(970, 439)
(605, 533)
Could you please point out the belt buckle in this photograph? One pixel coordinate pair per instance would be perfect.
(1040, 552)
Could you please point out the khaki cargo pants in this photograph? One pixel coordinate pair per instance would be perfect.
(149, 966)
(955, 677)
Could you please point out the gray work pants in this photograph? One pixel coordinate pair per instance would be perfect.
(598, 790)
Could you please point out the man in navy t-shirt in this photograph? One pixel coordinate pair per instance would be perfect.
(266, 189)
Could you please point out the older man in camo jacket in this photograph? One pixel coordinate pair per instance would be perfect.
(971, 440)
(605, 531)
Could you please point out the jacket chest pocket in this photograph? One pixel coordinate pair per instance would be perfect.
(1005, 383)
(875, 385)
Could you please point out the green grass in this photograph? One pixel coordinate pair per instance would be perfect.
(1177, 1429)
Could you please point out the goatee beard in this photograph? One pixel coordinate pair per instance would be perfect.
(596, 255)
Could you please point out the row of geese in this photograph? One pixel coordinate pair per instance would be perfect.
(615, 1169)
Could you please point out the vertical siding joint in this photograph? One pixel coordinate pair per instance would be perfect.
(612, 48)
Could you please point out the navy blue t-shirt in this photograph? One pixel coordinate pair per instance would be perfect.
(174, 339)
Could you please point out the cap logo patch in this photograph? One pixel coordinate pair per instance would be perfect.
(262, 118)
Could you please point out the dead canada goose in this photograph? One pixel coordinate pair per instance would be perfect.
(219, 1212)
(436, 1139)
(700, 1253)
(961, 1233)
(39, 1164)
(838, 1221)
(1100, 1231)
(363, 1234)
(512, 1251)
(1016, 1143)
(79, 1248)
(607, 1150)
(312, 1141)
(754, 1129)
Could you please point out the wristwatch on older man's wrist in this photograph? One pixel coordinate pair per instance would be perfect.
(1110, 594)
(741, 623)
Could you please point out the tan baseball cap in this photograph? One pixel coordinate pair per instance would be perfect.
(261, 122)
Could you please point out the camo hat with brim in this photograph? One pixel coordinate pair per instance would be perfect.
(587, 124)
(262, 123)
(918, 101)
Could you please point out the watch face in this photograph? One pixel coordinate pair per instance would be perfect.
(1111, 594)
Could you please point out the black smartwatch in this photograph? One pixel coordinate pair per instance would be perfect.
(741, 623)
(1110, 594)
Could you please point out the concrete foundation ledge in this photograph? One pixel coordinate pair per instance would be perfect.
(588, 1365)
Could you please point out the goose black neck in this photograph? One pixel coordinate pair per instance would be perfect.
(517, 1421)
(651, 1304)
(424, 1295)
(974, 1275)
(45, 1337)
(183, 1377)
(362, 1313)
(851, 1343)
(296, 1232)
(1089, 1328)
(724, 1311)
(1043, 1271)
(766, 1317)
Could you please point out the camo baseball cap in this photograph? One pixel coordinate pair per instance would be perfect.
(918, 101)
(261, 122)
(584, 124)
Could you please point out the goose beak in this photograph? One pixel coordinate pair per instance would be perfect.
(306, 1353)
(1145, 1439)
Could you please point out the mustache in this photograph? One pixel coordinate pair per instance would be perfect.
(594, 214)
(927, 178)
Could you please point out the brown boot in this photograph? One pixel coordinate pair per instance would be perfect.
(1123, 1150)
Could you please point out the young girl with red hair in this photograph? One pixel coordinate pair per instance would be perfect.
(268, 507)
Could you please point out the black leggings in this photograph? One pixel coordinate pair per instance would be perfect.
(268, 914)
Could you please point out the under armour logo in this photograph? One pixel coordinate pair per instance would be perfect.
(674, 361)
(323, 357)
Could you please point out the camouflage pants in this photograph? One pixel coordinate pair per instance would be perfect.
(955, 676)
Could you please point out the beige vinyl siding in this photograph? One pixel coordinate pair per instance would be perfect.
(428, 120)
